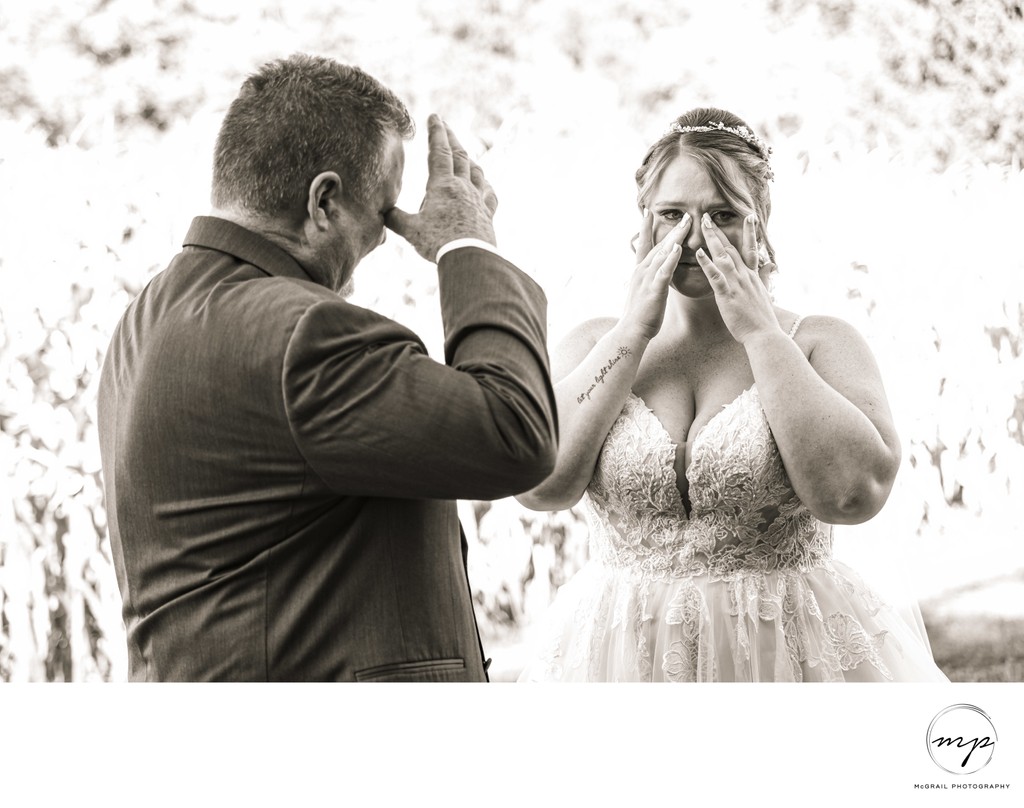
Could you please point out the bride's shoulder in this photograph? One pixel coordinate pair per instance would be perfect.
(824, 326)
(809, 328)
(827, 340)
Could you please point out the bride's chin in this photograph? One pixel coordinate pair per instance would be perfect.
(693, 287)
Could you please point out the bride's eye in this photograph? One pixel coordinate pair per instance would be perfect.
(671, 215)
(723, 217)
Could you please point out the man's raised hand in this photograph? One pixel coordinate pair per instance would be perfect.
(458, 203)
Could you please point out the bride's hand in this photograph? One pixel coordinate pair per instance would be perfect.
(743, 300)
(648, 288)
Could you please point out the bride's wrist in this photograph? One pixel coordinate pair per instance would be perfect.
(766, 340)
(633, 335)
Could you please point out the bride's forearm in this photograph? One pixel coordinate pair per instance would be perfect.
(589, 399)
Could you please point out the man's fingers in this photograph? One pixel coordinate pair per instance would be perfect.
(476, 176)
(439, 157)
(460, 159)
(491, 200)
(398, 221)
(459, 202)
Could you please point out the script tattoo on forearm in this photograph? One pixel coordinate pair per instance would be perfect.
(599, 378)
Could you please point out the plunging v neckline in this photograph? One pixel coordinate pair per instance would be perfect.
(686, 501)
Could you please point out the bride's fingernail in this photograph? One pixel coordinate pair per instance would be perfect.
(705, 220)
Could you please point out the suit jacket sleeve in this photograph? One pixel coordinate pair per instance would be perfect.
(374, 415)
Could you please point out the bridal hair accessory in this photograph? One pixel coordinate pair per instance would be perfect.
(742, 132)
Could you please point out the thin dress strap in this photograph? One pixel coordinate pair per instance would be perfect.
(796, 325)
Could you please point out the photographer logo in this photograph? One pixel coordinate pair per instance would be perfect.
(961, 739)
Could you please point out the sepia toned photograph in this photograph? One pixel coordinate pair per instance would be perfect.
(512, 341)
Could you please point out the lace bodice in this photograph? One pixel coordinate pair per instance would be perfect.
(744, 517)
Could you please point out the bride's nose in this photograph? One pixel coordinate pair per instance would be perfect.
(695, 238)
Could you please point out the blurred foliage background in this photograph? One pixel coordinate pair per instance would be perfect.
(897, 127)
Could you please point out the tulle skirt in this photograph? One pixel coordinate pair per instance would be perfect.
(612, 625)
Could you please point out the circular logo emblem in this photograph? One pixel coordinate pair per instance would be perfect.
(961, 739)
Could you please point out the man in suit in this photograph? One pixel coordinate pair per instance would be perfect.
(280, 466)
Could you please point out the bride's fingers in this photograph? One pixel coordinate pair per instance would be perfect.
(663, 258)
(714, 275)
(645, 237)
(719, 246)
(668, 265)
(674, 238)
(750, 245)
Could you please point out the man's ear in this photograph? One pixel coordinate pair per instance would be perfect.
(325, 193)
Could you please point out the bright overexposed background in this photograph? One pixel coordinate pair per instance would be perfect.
(897, 204)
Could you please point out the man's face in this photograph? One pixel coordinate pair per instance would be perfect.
(361, 227)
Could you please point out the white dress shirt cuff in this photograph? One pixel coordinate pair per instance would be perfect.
(465, 242)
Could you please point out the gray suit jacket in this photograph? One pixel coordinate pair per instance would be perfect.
(280, 465)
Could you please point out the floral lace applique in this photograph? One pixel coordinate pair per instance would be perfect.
(687, 659)
(852, 645)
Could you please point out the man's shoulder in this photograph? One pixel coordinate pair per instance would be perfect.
(227, 295)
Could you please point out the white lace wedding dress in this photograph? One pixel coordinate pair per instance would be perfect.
(743, 588)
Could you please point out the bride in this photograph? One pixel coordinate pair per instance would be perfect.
(715, 438)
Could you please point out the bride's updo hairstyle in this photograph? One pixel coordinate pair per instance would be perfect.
(734, 157)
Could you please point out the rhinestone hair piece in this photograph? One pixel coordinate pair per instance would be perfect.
(741, 132)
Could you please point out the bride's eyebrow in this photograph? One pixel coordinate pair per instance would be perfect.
(716, 202)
